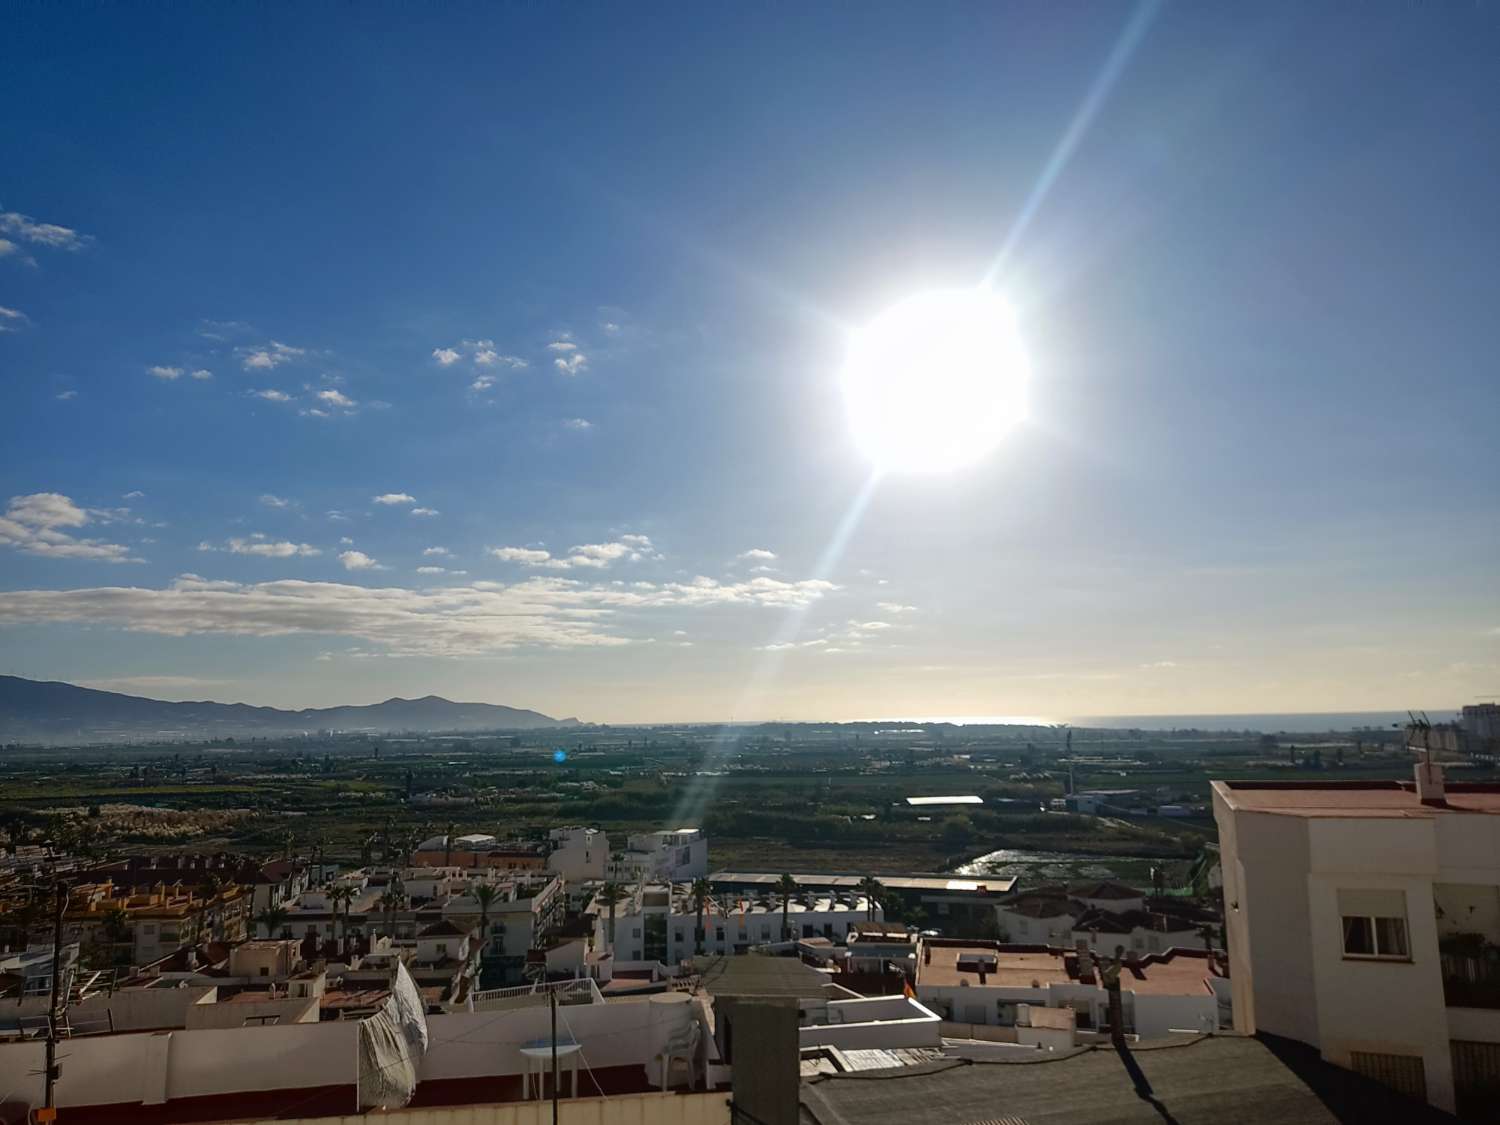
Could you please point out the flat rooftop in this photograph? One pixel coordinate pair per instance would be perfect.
(983, 885)
(1383, 799)
(1178, 973)
(1223, 1080)
(968, 799)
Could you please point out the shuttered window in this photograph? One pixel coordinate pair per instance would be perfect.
(1402, 1073)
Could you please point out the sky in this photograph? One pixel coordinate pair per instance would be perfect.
(493, 351)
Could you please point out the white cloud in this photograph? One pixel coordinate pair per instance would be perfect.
(482, 383)
(222, 330)
(345, 541)
(578, 424)
(135, 495)
(49, 235)
(425, 512)
(562, 346)
(588, 556)
(66, 396)
(32, 524)
(871, 626)
(337, 516)
(337, 398)
(201, 374)
(272, 395)
(357, 560)
(432, 570)
(7, 248)
(571, 364)
(166, 373)
(271, 501)
(478, 618)
(263, 546)
(434, 552)
(758, 554)
(12, 320)
(395, 498)
(314, 412)
(528, 555)
(896, 607)
(268, 356)
(609, 328)
(1161, 664)
(446, 357)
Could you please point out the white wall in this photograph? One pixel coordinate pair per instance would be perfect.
(154, 1067)
(636, 1109)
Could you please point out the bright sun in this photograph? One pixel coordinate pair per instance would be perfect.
(936, 381)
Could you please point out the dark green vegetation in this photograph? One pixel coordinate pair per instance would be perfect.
(771, 797)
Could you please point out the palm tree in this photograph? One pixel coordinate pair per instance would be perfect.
(485, 894)
(272, 918)
(341, 895)
(786, 886)
(391, 900)
(611, 894)
(870, 887)
(700, 891)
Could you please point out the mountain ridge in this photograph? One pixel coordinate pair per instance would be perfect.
(54, 711)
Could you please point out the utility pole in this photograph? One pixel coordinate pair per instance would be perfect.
(55, 1011)
(553, 1005)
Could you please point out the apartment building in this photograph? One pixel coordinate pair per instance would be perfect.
(578, 854)
(670, 856)
(656, 922)
(1104, 914)
(1364, 920)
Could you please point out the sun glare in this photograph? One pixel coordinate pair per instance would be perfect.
(936, 381)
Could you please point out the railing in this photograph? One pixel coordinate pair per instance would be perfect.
(1471, 980)
(581, 990)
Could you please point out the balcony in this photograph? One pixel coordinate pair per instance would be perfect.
(1468, 920)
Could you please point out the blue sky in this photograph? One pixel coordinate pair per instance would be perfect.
(569, 287)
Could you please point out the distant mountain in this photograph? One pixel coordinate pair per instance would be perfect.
(48, 711)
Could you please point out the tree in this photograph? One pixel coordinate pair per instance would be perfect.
(701, 890)
(485, 894)
(273, 918)
(874, 892)
(956, 833)
(393, 899)
(611, 894)
(786, 887)
(341, 895)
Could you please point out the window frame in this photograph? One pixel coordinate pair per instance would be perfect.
(1373, 929)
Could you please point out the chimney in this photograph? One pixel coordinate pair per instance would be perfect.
(764, 1051)
(1430, 783)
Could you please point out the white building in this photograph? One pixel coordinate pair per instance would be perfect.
(983, 983)
(670, 856)
(655, 922)
(1364, 920)
(579, 855)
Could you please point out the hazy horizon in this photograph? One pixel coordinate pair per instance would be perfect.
(353, 353)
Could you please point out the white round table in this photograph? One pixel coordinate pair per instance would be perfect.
(538, 1056)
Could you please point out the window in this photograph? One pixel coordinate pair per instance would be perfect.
(677, 937)
(636, 932)
(1374, 924)
(718, 933)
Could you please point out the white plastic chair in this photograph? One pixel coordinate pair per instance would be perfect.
(681, 1047)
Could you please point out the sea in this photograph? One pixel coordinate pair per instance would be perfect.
(1309, 722)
